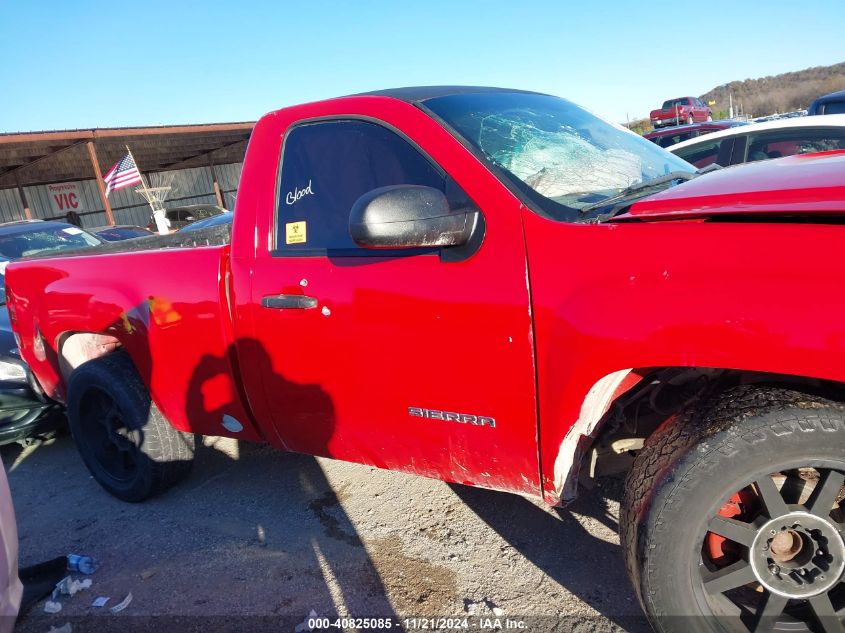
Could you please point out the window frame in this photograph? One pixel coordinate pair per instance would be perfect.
(722, 152)
(276, 251)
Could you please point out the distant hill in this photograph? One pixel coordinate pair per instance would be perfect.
(760, 97)
(778, 93)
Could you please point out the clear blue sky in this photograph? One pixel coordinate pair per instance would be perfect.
(75, 64)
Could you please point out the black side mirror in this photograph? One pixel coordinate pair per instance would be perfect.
(408, 216)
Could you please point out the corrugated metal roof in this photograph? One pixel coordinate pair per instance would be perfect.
(31, 158)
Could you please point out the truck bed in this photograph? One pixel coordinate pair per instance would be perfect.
(161, 299)
(219, 235)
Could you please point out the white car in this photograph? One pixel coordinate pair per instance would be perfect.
(761, 141)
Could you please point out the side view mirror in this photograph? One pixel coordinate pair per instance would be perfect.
(408, 216)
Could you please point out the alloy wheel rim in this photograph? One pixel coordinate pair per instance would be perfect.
(811, 566)
(789, 566)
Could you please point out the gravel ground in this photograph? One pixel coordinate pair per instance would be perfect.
(257, 539)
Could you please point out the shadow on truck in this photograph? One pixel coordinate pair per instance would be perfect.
(253, 491)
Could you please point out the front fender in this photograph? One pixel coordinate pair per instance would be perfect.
(755, 297)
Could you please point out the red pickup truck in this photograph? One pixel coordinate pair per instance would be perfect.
(679, 111)
(499, 289)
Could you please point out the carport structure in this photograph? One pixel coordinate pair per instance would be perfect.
(30, 159)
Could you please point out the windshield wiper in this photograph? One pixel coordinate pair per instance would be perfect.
(709, 168)
(640, 186)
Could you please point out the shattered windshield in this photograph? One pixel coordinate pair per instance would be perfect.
(560, 156)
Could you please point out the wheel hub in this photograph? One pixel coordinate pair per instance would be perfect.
(786, 545)
(798, 555)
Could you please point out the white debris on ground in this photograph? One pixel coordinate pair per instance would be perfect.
(284, 535)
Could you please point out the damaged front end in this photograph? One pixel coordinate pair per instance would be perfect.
(620, 411)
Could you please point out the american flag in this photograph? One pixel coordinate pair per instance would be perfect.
(123, 174)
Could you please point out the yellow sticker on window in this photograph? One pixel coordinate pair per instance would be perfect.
(295, 233)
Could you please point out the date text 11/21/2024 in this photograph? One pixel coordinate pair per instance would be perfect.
(416, 624)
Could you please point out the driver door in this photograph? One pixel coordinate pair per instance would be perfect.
(417, 360)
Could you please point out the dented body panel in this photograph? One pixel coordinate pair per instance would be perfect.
(164, 307)
(800, 184)
(755, 297)
(494, 370)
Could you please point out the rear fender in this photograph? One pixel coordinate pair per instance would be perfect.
(166, 308)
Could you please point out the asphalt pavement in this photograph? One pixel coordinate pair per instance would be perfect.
(258, 539)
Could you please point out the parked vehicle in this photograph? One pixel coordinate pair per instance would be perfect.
(25, 412)
(179, 217)
(37, 237)
(833, 103)
(121, 232)
(672, 135)
(761, 141)
(499, 289)
(779, 115)
(681, 110)
(216, 220)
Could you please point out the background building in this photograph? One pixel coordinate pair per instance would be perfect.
(44, 175)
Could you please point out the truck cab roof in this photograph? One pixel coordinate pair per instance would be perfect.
(418, 94)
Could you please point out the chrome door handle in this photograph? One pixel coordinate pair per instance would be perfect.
(289, 302)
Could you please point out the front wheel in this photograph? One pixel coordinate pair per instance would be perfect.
(709, 117)
(731, 519)
(690, 119)
(124, 440)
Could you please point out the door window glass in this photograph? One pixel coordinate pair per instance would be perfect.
(705, 153)
(327, 166)
(797, 141)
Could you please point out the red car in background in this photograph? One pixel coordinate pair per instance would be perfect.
(680, 110)
(672, 135)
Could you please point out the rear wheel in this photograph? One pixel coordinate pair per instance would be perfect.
(690, 118)
(124, 440)
(732, 512)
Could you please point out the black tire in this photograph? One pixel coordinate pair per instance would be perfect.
(682, 481)
(124, 440)
(690, 119)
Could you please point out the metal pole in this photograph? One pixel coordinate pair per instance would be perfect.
(26, 210)
(217, 193)
(98, 176)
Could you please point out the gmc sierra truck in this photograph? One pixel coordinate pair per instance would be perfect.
(499, 289)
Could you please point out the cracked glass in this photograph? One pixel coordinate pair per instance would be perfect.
(562, 157)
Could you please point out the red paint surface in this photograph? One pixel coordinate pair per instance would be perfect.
(456, 336)
(795, 184)
(403, 332)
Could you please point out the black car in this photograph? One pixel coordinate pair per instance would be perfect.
(36, 237)
(215, 220)
(120, 232)
(180, 217)
(24, 410)
(833, 103)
